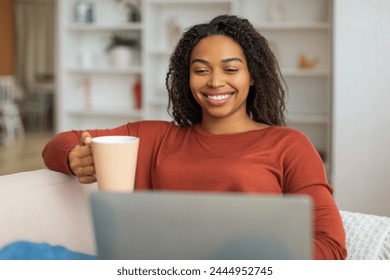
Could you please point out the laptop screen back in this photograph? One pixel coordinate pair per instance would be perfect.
(185, 225)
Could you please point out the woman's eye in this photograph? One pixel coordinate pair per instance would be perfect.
(200, 71)
(231, 70)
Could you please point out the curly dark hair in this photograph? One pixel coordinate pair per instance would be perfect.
(266, 98)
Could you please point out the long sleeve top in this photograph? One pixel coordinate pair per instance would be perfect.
(271, 160)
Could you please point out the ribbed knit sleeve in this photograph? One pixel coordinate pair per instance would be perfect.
(56, 151)
(304, 174)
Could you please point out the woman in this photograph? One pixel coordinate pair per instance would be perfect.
(227, 100)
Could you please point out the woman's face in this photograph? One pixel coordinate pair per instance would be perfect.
(219, 78)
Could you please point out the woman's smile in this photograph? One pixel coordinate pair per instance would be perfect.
(218, 98)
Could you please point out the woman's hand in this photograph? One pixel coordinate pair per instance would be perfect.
(81, 160)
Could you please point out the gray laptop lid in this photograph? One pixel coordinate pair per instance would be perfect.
(184, 225)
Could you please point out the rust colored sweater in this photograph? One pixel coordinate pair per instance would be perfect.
(272, 160)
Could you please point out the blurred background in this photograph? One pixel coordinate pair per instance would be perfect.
(27, 84)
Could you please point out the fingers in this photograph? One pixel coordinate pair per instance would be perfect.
(85, 138)
(81, 151)
(87, 179)
(81, 160)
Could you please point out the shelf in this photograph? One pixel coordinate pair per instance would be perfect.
(105, 27)
(162, 52)
(277, 26)
(106, 70)
(134, 114)
(291, 72)
(308, 119)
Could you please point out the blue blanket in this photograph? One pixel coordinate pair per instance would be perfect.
(24, 250)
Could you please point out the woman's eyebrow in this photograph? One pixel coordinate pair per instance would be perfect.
(200, 61)
(226, 60)
(231, 59)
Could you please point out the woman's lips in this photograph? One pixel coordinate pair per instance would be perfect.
(218, 99)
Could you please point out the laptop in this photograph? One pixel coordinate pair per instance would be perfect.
(168, 225)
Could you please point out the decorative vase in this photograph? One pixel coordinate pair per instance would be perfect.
(174, 31)
(84, 11)
(121, 56)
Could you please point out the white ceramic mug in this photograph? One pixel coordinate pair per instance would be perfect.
(115, 159)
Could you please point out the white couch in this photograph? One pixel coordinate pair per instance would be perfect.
(47, 206)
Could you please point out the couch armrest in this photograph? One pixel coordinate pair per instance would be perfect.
(46, 206)
(367, 236)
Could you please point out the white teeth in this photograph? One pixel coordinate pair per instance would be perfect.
(218, 97)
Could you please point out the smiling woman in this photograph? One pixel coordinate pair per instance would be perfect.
(227, 99)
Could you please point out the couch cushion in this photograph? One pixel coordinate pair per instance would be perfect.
(46, 206)
(367, 236)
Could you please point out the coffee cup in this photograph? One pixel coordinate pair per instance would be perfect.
(115, 160)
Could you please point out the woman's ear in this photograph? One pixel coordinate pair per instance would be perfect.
(252, 82)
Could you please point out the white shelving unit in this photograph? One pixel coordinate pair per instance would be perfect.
(92, 93)
(291, 27)
(295, 28)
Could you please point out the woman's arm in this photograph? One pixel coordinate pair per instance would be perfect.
(55, 153)
(329, 234)
(70, 152)
(305, 175)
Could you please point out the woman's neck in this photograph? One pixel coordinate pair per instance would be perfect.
(223, 126)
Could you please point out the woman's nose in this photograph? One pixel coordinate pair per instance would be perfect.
(216, 80)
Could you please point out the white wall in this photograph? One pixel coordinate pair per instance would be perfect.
(361, 106)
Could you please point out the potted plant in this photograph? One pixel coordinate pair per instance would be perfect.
(120, 49)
